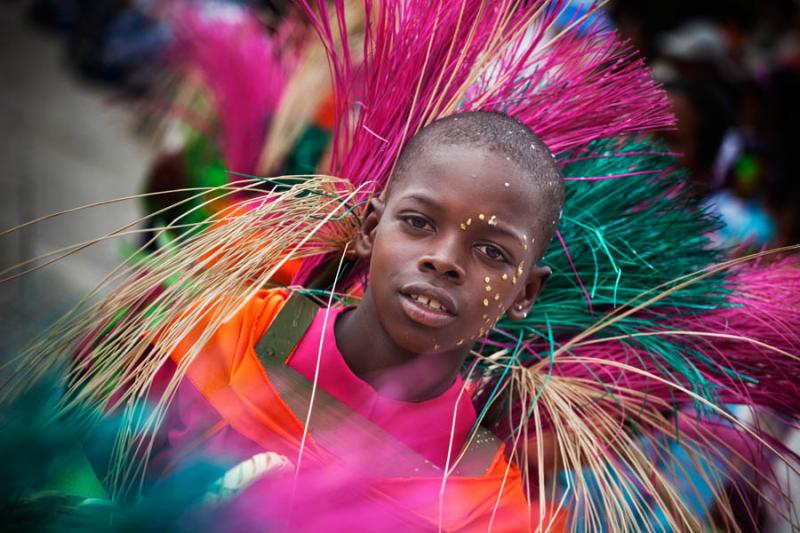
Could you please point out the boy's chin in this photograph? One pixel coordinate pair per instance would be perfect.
(418, 340)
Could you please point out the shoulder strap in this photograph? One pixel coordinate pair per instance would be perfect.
(287, 328)
(333, 418)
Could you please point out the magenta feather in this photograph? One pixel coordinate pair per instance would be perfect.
(245, 70)
(744, 345)
(419, 54)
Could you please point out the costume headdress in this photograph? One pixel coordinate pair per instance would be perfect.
(643, 334)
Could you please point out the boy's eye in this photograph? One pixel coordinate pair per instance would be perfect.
(418, 222)
(492, 252)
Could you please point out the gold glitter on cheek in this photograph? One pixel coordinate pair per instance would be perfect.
(469, 221)
(481, 216)
(462, 226)
(485, 317)
(506, 184)
(504, 276)
(492, 221)
(486, 302)
(496, 296)
(513, 280)
(487, 279)
(460, 342)
(488, 288)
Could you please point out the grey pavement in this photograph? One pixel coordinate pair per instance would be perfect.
(63, 143)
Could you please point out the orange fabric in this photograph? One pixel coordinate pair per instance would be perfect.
(225, 373)
(229, 375)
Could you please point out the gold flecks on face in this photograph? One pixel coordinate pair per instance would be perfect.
(469, 221)
(504, 276)
(520, 268)
(506, 184)
(481, 216)
(496, 296)
(492, 221)
(487, 279)
(486, 302)
(460, 342)
(481, 332)
(462, 226)
(513, 280)
(488, 288)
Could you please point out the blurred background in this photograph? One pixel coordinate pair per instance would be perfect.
(93, 107)
(732, 71)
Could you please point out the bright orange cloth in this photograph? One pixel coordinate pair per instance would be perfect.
(230, 376)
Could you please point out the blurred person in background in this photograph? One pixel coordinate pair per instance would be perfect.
(731, 70)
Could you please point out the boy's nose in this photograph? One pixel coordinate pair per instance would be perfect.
(442, 265)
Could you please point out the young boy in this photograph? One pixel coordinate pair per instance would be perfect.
(452, 246)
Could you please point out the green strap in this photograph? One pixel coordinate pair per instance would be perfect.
(287, 328)
(331, 418)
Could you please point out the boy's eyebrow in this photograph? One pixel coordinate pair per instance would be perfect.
(422, 199)
(499, 227)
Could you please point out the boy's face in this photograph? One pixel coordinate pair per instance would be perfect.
(452, 248)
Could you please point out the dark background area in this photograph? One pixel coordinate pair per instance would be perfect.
(732, 70)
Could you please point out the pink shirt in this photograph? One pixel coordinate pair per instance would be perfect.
(423, 426)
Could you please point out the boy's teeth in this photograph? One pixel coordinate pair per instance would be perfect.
(430, 302)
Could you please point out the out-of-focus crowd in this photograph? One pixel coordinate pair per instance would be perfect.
(732, 70)
(121, 42)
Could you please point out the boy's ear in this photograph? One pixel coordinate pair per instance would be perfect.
(530, 290)
(365, 239)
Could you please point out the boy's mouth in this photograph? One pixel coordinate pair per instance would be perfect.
(428, 302)
(427, 305)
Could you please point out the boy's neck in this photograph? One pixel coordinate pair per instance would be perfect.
(393, 371)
